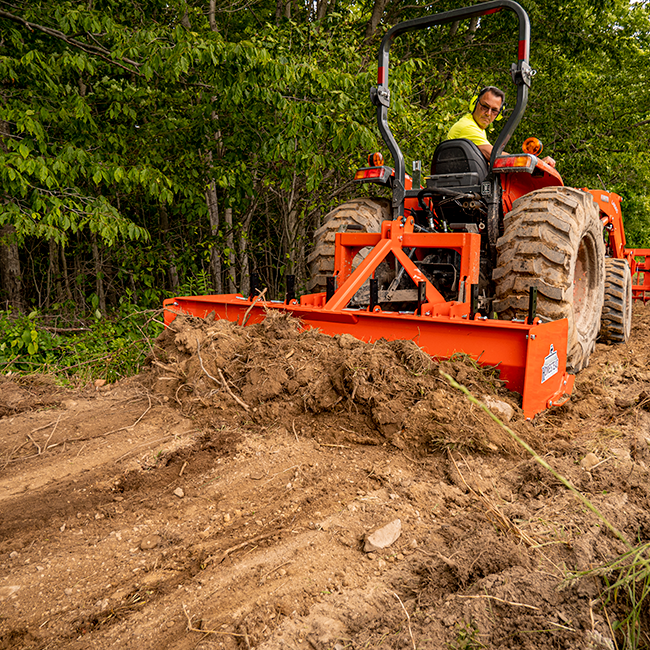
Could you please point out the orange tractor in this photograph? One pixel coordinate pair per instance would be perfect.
(496, 260)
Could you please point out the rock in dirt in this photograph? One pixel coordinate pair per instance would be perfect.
(383, 537)
(150, 541)
(7, 591)
(589, 461)
(179, 492)
(499, 408)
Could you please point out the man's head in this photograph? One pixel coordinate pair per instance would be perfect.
(488, 105)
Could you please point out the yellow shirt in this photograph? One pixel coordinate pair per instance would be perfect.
(466, 127)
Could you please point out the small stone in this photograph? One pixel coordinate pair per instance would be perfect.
(7, 591)
(226, 518)
(413, 543)
(179, 492)
(149, 542)
(13, 555)
(499, 408)
(68, 591)
(399, 556)
(62, 527)
(371, 556)
(589, 461)
(118, 498)
(383, 537)
(259, 522)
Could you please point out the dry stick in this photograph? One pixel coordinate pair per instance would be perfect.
(248, 311)
(216, 381)
(191, 628)
(268, 573)
(225, 383)
(504, 520)
(538, 459)
(131, 425)
(282, 472)
(408, 618)
(45, 426)
(11, 453)
(143, 444)
(29, 435)
(51, 434)
(506, 602)
(252, 540)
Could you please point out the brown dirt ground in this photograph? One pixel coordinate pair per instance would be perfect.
(221, 498)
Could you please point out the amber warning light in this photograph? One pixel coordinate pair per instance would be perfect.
(375, 159)
(532, 145)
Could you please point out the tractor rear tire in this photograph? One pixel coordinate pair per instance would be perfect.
(616, 321)
(553, 240)
(365, 213)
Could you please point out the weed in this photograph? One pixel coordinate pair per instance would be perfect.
(466, 638)
(627, 580)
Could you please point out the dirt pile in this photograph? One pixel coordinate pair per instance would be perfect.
(338, 389)
(221, 500)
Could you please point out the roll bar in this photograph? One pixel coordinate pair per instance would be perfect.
(520, 71)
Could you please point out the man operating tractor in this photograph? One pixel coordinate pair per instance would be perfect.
(472, 126)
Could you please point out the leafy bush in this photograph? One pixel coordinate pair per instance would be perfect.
(102, 348)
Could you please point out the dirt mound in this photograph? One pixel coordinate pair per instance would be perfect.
(338, 389)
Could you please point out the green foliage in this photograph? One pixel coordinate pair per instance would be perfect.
(110, 348)
(23, 345)
(466, 638)
(117, 117)
(627, 592)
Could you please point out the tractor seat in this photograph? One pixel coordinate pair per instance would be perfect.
(457, 163)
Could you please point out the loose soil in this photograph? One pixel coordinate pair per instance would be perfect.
(221, 499)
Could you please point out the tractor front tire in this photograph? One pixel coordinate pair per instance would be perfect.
(616, 321)
(553, 240)
(366, 214)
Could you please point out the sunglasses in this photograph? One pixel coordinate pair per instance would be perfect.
(489, 109)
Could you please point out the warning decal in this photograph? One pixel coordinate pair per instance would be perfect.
(551, 364)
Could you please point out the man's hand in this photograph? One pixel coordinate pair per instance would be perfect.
(549, 161)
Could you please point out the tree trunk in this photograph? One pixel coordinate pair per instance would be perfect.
(245, 273)
(375, 18)
(10, 278)
(230, 245)
(213, 213)
(99, 279)
(212, 15)
(172, 271)
(53, 275)
(66, 276)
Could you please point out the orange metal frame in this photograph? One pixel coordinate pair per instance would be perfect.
(609, 204)
(531, 358)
